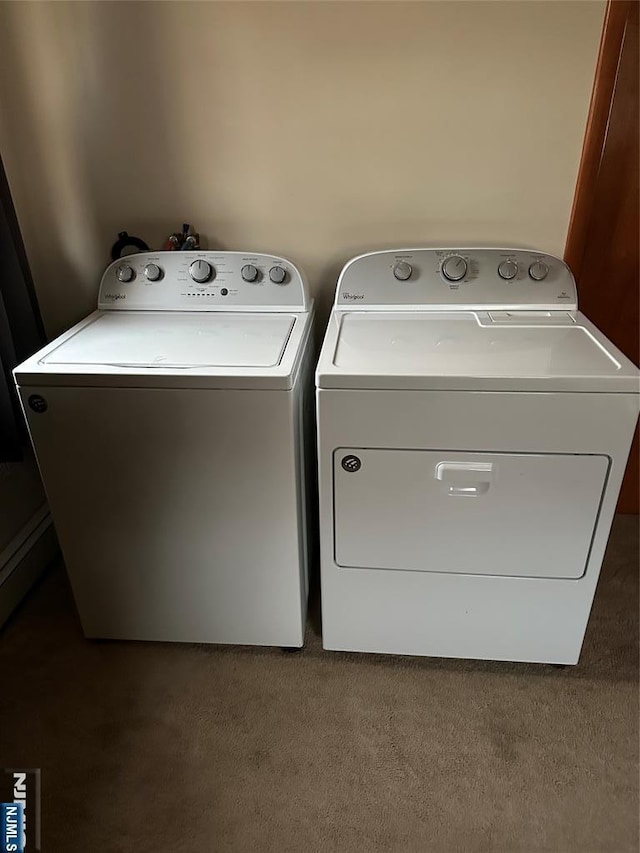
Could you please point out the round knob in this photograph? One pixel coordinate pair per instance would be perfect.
(403, 271)
(277, 275)
(125, 273)
(201, 271)
(508, 269)
(152, 272)
(454, 268)
(249, 272)
(538, 270)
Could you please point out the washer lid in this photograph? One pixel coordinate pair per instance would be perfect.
(469, 350)
(176, 340)
(152, 349)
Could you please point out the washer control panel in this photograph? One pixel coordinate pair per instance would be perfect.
(203, 281)
(457, 278)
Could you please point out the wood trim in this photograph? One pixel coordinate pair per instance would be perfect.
(615, 22)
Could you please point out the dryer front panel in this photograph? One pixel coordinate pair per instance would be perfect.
(519, 515)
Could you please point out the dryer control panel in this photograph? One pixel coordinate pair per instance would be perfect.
(203, 281)
(457, 278)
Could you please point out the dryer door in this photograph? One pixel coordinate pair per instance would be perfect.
(522, 515)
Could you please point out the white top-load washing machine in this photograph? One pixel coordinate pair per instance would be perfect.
(473, 430)
(170, 430)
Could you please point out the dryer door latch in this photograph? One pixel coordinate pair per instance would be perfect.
(465, 479)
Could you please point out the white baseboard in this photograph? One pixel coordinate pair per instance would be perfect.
(24, 559)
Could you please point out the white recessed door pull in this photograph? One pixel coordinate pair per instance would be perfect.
(465, 479)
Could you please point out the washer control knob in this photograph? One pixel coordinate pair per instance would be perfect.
(538, 270)
(277, 275)
(454, 268)
(249, 273)
(403, 271)
(125, 273)
(201, 271)
(152, 272)
(508, 269)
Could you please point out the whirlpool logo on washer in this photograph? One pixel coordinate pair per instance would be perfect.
(352, 297)
(113, 297)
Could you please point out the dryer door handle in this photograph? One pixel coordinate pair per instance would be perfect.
(465, 479)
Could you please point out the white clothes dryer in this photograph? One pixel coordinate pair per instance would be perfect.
(473, 430)
(171, 431)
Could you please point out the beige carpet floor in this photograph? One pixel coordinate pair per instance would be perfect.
(153, 748)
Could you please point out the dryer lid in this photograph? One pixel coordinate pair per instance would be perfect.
(177, 340)
(471, 350)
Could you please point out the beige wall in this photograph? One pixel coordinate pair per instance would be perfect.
(316, 130)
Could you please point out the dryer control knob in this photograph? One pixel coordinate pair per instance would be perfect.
(508, 269)
(249, 273)
(277, 275)
(538, 270)
(454, 268)
(201, 271)
(152, 272)
(403, 271)
(125, 273)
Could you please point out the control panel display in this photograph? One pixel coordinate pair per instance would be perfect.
(203, 281)
(457, 278)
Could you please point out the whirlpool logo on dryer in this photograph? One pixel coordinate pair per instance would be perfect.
(352, 296)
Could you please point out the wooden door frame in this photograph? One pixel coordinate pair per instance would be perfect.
(610, 88)
(615, 23)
